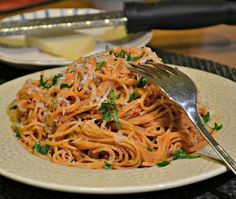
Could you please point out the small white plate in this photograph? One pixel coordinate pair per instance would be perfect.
(20, 165)
(32, 58)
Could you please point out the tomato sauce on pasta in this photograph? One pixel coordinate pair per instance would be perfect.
(97, 113)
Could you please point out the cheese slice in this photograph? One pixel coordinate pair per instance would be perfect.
(68, 45)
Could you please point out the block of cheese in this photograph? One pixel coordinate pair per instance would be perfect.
(13, 41)
(114, 33)
(69, 45)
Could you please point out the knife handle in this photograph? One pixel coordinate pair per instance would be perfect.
(179, 14)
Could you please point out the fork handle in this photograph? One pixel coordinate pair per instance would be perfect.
(179, 14)
(231, 164)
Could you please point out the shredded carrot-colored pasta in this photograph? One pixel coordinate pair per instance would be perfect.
(97, 112)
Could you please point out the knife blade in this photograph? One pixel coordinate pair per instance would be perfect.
(137, 16)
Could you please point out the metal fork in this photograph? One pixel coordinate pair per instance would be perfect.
(182, 91)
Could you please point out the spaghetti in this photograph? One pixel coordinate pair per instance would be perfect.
(98, 114)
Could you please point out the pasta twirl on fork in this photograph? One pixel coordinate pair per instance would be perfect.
(98, 114)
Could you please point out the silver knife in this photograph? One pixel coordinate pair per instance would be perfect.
(168, 14)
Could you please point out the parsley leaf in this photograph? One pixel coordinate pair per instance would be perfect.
(41, 149)
(217, 127)
(112, 97)
(121, 54)
(44, 149)
(142, 82)
(64, 86)
(206, 118)
(163, 164)
(128, 57)
(55, 79)
(100, 64)
(107, 165)
(116, 117)
(43, 83)
(132, 97)
(107, 108)
(180, 154)
(132, 59)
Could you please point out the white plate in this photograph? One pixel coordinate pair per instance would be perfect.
(32, 58)
(18, 164)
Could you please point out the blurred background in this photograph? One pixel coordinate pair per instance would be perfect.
(217, 43)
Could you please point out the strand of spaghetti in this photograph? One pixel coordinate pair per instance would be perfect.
(79, 110)
(140, 133)
(63, 133)
(56, 142)
(115, 79)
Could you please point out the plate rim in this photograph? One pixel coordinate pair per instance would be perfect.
(113, 190)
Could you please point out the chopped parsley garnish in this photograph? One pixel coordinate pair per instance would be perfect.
(18, 133)
(41, 149)
(43, 83)
(132, 97)
(163, 164)
(121, 54)
(217, 127)
(107, 108)
(55, 79)
(206, 118)
(100, 64)
(132, 59)
(107, 165)
(115, 116)
(112, 96)
(180, 154)
(142, 82)
(128, 57)
(64, 86)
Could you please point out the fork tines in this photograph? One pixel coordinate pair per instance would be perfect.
(154, 69)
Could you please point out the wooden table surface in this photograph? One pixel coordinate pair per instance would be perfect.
(216, 43)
